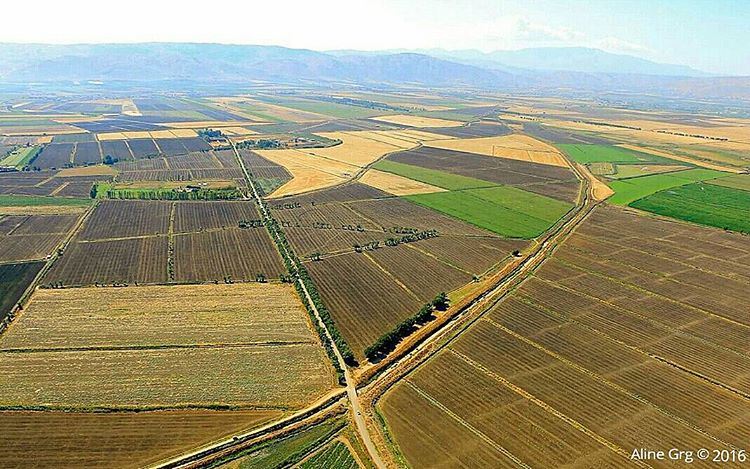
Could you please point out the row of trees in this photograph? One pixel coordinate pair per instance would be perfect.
(388, 341)
(297, 270)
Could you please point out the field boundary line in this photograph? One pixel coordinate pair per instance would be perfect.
(653, 322)
(606, 382)
(545, 310)
(701, 376)
(170, 243)
(393, 277)
(638, 288)
(26, 296)
(157, 347)
(465, 424)
(547, 408)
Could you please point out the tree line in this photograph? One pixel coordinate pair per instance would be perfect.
(388, 341)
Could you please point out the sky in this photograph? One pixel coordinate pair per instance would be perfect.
(709, 35)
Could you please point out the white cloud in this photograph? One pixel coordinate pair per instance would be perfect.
(614, 44)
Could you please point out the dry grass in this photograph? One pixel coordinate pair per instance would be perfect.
(515, 147)
(396, 185)
(417, 121)
(242, 344)
(354, 149)
(137, 134)
(98, 170)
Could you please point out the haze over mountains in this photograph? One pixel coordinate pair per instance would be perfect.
(535, 69)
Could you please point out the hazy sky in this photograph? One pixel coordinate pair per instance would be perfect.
(711, 35)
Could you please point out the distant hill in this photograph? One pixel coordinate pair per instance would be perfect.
(577, 69)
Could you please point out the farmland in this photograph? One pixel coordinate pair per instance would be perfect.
(101, 440)
(32, 237)
(493, 306)
(126, 357)
(129, 241)
(504, 210)
(617, 319)
(706, 204)
(14, 280)
(630, 190)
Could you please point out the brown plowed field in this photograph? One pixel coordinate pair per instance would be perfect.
(199, 216)
(127, 218)
(32, 237)
(622, 340)
(240, 254)
(104, 440)
(364, 300)
(141, 260)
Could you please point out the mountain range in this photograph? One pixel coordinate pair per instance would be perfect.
(526, 69)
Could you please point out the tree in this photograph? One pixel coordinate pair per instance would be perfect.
(441, 301)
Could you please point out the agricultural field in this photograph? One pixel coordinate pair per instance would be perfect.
(705, 204)
(33, 237)
(626, 316)
(418, 121)
(148, 332)
(515, 147)
(630, 190)
(149, 242)
(128, 440)
(161, 316)
(371, 291)
(14, 280)
(544, 179)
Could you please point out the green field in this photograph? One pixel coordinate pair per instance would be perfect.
(21, 157)
(737, 181)
(627, 171)
(504, 210)
(706, 204)
(287, 451)
(30, 200)
(431, 176)
(630, 190)
(589, 153)
(341, 111)
(335, 456)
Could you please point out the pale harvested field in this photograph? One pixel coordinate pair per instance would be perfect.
(317, 168)
(305, 175)
(354, 150)
(417, 121)
(128, 106)
(137, 134)
(164, 346)
(43, 210)
(420, 135)
(106, 136)
(235, 131)
(257, 376)
(98, 170)
(244, 313)
(396, 185)
(515, 147)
